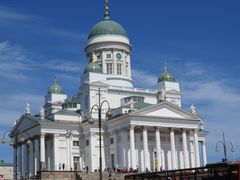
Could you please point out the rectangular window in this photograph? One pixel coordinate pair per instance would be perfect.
(111, 141)
(109, 56)
(76, 159)
(109, 68)
(86, 102)
(113, 160)
(126, 68)
(98, 56)
(75, 143)
(87, 142)
(119, 69)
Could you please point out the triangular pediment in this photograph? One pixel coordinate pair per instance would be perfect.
(25, 123)
(165, 112)
(166, 109)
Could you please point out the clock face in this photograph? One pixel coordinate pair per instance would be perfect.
(118, 56)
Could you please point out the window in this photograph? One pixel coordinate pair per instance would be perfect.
(87, 142)
(76, 160)
(109, 56)
(119, 69)
(126, 68)
(111, 141)
(75, 143)
(98, 56)
(109, 68)
(86, 102)
(113, 160)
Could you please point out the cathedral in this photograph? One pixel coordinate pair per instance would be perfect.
(109, 121)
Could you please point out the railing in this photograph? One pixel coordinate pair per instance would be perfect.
(133, 89)
(223, 171)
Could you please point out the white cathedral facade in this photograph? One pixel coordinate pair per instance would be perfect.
(148, 129)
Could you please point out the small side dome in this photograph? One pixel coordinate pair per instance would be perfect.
(166, 76)
(93, 67)
(55, 88)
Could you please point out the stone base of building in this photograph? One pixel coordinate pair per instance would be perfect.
(73, 175)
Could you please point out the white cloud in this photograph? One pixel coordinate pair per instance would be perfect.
(16, 61)
(9, 15)
(144, 79)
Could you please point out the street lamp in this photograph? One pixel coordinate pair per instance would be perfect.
(224, 143)
(4, 140)
(91, 121)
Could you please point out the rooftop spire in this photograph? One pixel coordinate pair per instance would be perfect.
(106, 15)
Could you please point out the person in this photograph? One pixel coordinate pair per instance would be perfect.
(63, 166)
(59, 166)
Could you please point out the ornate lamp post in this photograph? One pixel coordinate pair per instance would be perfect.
(4, 140)
(91, 121)
(224, 143)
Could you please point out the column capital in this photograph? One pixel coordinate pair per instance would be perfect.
(158, 128)
(195, 130)
(42, 134)
(132, 126)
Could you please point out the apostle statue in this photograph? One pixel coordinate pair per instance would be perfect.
(193, 109)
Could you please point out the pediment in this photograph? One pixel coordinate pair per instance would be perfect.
(25, 123)
(166, 110)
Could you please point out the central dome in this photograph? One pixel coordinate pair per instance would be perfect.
(107, 26)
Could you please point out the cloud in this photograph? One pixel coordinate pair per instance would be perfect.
(144, 79)
(11, 15)
(15, 62)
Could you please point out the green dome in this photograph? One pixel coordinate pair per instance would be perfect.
(55, 88)
(93, 67)
(107, 26)
(166, 76)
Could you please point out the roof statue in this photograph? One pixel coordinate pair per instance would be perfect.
(93, 66)
(193, 109)
(27, 108)
(42, 113)
(131, 103)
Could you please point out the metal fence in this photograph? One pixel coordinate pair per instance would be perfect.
(222, 171)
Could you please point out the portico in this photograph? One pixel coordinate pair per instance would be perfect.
(161, 142)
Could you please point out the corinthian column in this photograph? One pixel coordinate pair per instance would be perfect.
(196, 148)
(145, 149)
(185, 150)
(158, 148)
(173, 148)
(132, 147)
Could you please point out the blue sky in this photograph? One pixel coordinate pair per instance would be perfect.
(199, 40)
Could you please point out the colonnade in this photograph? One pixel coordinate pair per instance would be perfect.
(26, 158)
(174, 160)
(40, 153)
